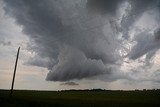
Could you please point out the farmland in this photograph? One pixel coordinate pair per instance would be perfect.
(80, 98)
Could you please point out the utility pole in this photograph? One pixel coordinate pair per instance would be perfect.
(14, 72)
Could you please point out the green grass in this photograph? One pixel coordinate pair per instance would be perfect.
(22, 98)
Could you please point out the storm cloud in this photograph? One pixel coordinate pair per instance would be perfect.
(104, 6)
(74, 42)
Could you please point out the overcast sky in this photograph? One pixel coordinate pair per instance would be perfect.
(80, 44)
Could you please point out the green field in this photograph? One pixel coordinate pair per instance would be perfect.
(98, 98)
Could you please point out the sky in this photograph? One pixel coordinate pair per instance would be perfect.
(80, 44)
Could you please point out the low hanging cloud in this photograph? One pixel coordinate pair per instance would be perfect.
(70, 83)
(74, 42)
(73, 64)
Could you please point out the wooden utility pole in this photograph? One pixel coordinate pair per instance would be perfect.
(14, 72)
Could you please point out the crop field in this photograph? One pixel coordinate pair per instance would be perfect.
(81, 98)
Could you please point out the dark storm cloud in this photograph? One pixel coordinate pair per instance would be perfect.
(65, 34)
(104, 6)
(77, 66)
(69, 39)
(36, 18)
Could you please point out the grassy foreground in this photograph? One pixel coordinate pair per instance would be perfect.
(23, 98)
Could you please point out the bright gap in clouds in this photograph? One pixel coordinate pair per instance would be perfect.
(96, 44)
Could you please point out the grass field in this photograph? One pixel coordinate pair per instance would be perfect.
(22, 98)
